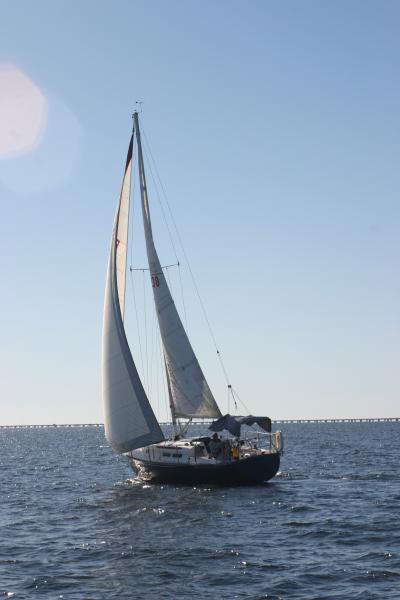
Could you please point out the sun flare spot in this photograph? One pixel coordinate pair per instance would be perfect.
(23, 112)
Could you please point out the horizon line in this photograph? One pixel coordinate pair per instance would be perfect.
(203, 422)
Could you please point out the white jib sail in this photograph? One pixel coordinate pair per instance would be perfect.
(191, 395)
(128, 417)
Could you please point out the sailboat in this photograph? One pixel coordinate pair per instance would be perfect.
(131, 426)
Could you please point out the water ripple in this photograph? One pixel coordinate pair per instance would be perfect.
(76, 524)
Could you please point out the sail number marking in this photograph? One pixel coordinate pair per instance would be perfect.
(155, 282)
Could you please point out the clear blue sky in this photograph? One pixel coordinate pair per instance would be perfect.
(275, 127)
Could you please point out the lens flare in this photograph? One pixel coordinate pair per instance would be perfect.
(40, 137)
(23, 112)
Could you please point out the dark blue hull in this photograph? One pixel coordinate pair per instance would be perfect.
(246, 471)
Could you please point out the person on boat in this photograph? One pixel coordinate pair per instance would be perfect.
(216, 446)
(226, 449)
(235, 452)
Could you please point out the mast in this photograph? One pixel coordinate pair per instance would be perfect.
(148, 231)
(190, 395)
(142, 176)
(171, 401)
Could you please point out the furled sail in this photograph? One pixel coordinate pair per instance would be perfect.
(191, 395)
(129, 420)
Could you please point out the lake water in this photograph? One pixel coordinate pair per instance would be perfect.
(75, 524)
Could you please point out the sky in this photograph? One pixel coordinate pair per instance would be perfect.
(275, 129)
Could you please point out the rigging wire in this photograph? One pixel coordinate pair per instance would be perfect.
(137, 323)
(187, 262)
(154, 335)
(236, 396)
(145, 146)
(183, 298)
(169, 282)
(145, 331)
(133, 188)
(151, 339)
(150, 159)
(148, 155)
(157, 370)
(163, 400)
(163, 377)
(155, 358)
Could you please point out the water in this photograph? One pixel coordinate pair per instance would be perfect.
(74, 524)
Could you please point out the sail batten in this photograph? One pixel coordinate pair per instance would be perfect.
(190, 393)
(128, 417)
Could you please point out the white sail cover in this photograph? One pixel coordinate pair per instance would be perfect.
(129, 420)
(191, 395)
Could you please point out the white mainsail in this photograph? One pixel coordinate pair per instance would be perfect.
(129, 419)
(191, 395)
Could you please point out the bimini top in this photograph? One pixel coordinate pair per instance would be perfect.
(233, 424)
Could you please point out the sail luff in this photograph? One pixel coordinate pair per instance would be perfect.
(191, 395)
(122, 228)
(128, 417)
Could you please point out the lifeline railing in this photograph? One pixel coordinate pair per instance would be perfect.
(263, 440)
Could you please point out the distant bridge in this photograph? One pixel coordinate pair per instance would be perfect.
(277, 421)
(377, 420)
(51, 425)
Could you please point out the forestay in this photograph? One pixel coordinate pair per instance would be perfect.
(191, 395)
(129, 420)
